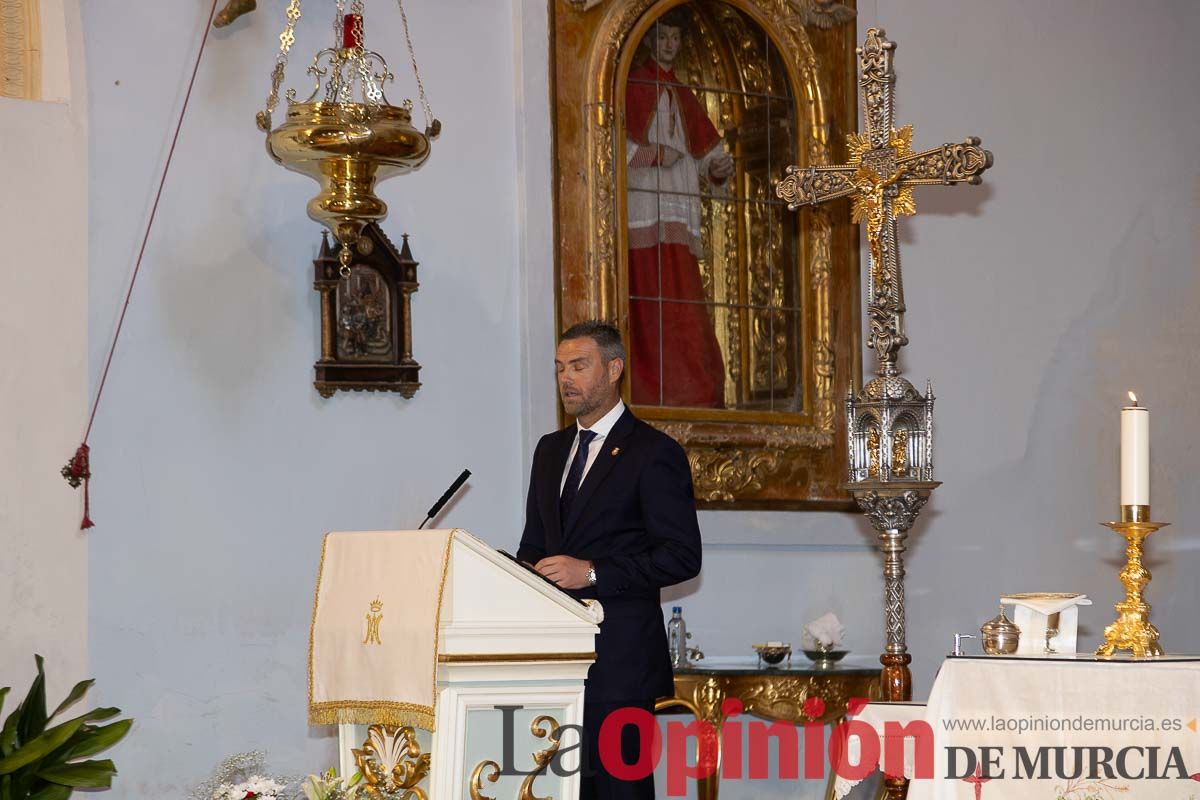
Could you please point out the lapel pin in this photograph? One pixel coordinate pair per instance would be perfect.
(616, 451)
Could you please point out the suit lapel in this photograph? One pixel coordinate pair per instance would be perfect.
(608, 456)
(552, 481)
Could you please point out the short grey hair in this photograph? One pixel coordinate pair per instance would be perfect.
(604, 334)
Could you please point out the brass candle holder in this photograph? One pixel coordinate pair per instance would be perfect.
(1132, 629)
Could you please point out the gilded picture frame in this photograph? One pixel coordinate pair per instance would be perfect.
(741, 457)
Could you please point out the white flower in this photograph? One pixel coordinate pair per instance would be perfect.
(257, 785)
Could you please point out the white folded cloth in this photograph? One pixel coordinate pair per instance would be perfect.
(826, 631)
(1046, 602)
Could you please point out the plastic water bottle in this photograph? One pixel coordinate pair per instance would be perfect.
(677, 637)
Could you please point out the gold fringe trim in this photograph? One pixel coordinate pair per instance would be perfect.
(371, 712)
(312, 626)
(437, 614)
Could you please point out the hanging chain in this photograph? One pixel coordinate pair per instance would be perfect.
(371, 92)
(432, 126)
(339, 22)
(356, 8)
(359, 51)
(286, 40)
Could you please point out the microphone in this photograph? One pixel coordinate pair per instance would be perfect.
(445, 498)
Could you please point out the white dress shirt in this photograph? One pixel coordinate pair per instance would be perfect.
(602, 428)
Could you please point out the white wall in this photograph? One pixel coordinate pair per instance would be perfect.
(1034, 302)
(43, 346)
(220, 465)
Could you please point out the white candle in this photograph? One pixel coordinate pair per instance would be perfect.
(1135, 454)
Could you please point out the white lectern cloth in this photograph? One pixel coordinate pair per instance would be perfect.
(373, 646)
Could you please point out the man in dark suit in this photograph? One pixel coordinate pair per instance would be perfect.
(611, 515)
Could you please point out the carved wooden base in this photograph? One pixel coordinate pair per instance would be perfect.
(367, 378)
(895, 685)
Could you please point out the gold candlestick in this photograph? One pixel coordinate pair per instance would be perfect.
(1132, 629)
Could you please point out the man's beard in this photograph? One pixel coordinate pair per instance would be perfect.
(584, 404)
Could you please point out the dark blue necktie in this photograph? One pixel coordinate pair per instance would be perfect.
(575, 475)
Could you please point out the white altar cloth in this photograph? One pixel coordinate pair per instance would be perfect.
(1056, 728)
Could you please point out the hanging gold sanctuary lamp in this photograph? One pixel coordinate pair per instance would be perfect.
(346, 134)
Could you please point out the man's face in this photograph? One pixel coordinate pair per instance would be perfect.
(585, 382)
(667, 40)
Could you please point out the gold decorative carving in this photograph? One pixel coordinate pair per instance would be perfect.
(477, 777)
(541, 760)
(789, 458)
(600, 267)
(392, 763)
(20, 50)
(873, 452)
(720, 475)
(824, 13)
(900, 452)
(776, 695)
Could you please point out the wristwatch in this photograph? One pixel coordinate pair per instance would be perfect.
(591, 575)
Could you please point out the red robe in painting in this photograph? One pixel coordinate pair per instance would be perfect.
(667, 300)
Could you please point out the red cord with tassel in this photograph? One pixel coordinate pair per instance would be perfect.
(78, 470)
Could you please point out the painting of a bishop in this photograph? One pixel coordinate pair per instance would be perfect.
(671, 147)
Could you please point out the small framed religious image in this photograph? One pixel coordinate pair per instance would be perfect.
(673, 122)
(366, 317)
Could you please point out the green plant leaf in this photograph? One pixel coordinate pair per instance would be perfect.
(79, 691)
(40, 746)
(3, 694)
(97, 715)
(8, 734)
(53, 737)
(90, 740)
(84, 775)
(52, 791)
(33, 708)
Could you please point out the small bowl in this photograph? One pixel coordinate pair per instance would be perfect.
(773, 653)
(825, 658)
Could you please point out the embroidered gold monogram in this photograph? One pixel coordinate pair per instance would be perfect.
(374, 617)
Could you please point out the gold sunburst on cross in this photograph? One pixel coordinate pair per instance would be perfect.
(880, 177)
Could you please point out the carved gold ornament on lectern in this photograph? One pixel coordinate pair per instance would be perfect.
(392, 763)
(541, 727)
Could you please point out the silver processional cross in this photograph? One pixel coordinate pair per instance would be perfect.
(889, 423)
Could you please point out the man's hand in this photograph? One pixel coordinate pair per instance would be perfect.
(567, 572)
(721, 167)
